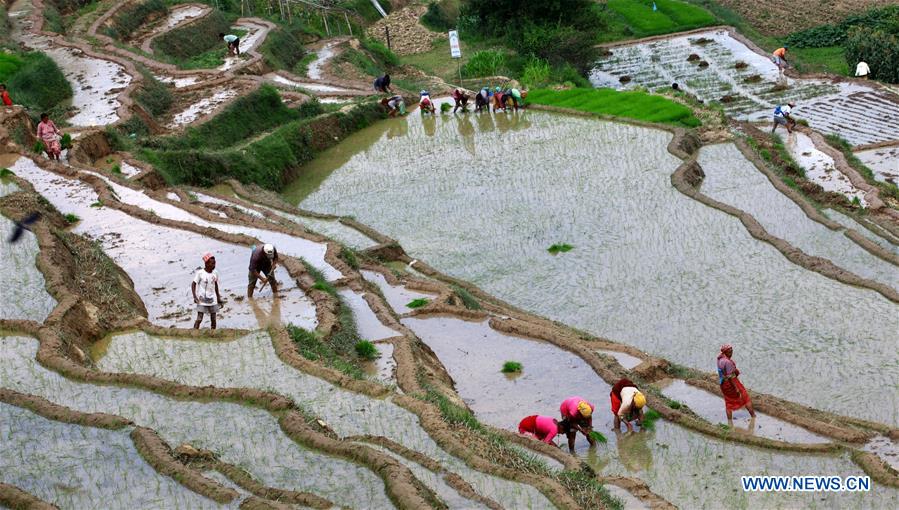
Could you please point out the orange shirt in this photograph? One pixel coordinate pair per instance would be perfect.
(780, 52)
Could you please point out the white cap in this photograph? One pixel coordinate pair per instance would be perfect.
(269, 250)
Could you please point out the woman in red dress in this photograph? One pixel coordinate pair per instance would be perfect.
(735, 395)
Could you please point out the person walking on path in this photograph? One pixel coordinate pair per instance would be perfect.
(263, 262)
(779, 57)
(861, 70)
(382, 84)
(4, 94)
(735, 395)
(577, 416)
(205, 289)
(233, 43)
(542, 428)
(782, 117)
(627, 404)
(49, 134)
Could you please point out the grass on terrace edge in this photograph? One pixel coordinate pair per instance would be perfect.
(629, 104)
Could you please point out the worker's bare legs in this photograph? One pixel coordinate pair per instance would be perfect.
(586, 431)
(572, 434)
(212, 319)
(750, 409)
(250, 289)
(200, 320)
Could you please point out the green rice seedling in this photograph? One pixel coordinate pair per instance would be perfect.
(598, 437)
(366, 350)
(117, 169)
(467, 299)
(649, 419)
(417, 303)
(445, 107)
(673, 404)
(856, 202)
(71, 218)
(349, 256)
(38, 147)
(6, 172)
(559, 248)
(512, 367)
(109, 160)
(66, 141)
(97, 204)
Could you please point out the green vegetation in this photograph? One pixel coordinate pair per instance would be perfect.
(71, 218)
(374, 61)
(98, 204)
(153, 95)
(382, 55)
(6, 172)
(349, 256)
(598, 437)
(283, 48)
(671, 16)
(417, 303)
(649, 419)
(190, 42)
(36, 82)
(442, 15)
(130, 18)
(886, 188)
(38, 147)
(66, 141)
(365, 9)
(631, 104)
(884, 18)
(512, 367)
(53, 19)
(366, 350)
(879, 48)
(486, 63)
(467, 299)
(559, 248)
(536, 73)
(311, 347)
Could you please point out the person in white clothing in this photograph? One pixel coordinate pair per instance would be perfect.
(205, 289)
(782, 117)
(862, 70)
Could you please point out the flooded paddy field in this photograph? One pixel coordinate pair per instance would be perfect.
(649, 266)
(347, 413)
(73, 466)
(24, 292)
(746, 84)
(247, 437)
(677, 463)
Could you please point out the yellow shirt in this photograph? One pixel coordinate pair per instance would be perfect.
(780, 52)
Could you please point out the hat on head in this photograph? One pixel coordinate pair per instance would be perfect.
(269, 250)
(207, 256)
(727, 347)
(585, 409)
(639, 400)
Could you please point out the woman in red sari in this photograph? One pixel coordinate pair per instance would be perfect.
(735, 395)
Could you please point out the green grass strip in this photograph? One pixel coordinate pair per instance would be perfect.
(627, 104)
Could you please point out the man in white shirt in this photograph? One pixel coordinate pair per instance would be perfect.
(862, 70)
(782, 117)
(205, 289)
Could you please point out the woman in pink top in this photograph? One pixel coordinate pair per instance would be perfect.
(48, 133)
(543, 428)
(577, 415)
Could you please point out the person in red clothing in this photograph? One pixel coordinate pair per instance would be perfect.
(735, 395)
(577, 416)
(542, 428)
(625, 395)
(4, 94)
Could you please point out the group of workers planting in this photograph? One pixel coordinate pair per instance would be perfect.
(627, 403)
(205, 285)
(500, 99)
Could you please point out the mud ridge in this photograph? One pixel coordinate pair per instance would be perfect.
(15, 498)
(243, 480)
(681, 181)
(876, 468)
(51, 411)
(640, 490)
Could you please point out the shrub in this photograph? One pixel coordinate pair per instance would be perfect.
(38, 147)
(132, 17)
(511, 367)
(194, 39)
(153, 95)
(560, 46)
(382, 54)
(417, 303)
(283, 49)
(34, 81)
(442, 15)
(876, 47)
(310, 108)
(366, 350)
(885, 18)
(536, 73)
(485, 63)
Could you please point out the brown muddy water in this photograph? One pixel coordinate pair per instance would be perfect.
(162, 261)
(244, 436)
(650, 266)
(251, 362)
(687, 468)
(78, 467)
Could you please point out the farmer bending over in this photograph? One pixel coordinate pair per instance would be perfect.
(461, 99)
(206, 281)
(541, 428)
(233, 44)
(426, 104)
(263, 262)
(779, 57)
(627, 404)
(782, 117)
(395, 105)
(577, 415)
(382, 84)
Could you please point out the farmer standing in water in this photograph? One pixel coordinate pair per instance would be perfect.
(735, 395)
(263, 262)
(577, 415)
(541, 428)
(206, 281)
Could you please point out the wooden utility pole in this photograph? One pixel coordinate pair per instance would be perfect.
(387, 32)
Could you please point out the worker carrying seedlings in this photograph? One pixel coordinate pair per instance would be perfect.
(263, 262)
(233, 43)
(782, 117)
(205, 289)
(541, 428)
(577, 416)
(627, 404)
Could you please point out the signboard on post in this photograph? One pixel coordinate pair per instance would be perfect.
(455, 50)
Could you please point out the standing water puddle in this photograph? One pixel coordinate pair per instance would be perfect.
(665, 458)
(650, 266)
(202, 107)
(734, 180)
(23, 290)
(244, 436)
(162, 261)
(72, 466)
(251, 362)
(397, 296)
(314, 71)
(625, 360)
(882, 239)
(884, 162)
(820, 168)
(368, 325)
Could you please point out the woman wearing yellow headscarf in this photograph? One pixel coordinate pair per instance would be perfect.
(577, 415)
(627, 404)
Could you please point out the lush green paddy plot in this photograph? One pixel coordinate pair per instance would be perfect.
(652, 267)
